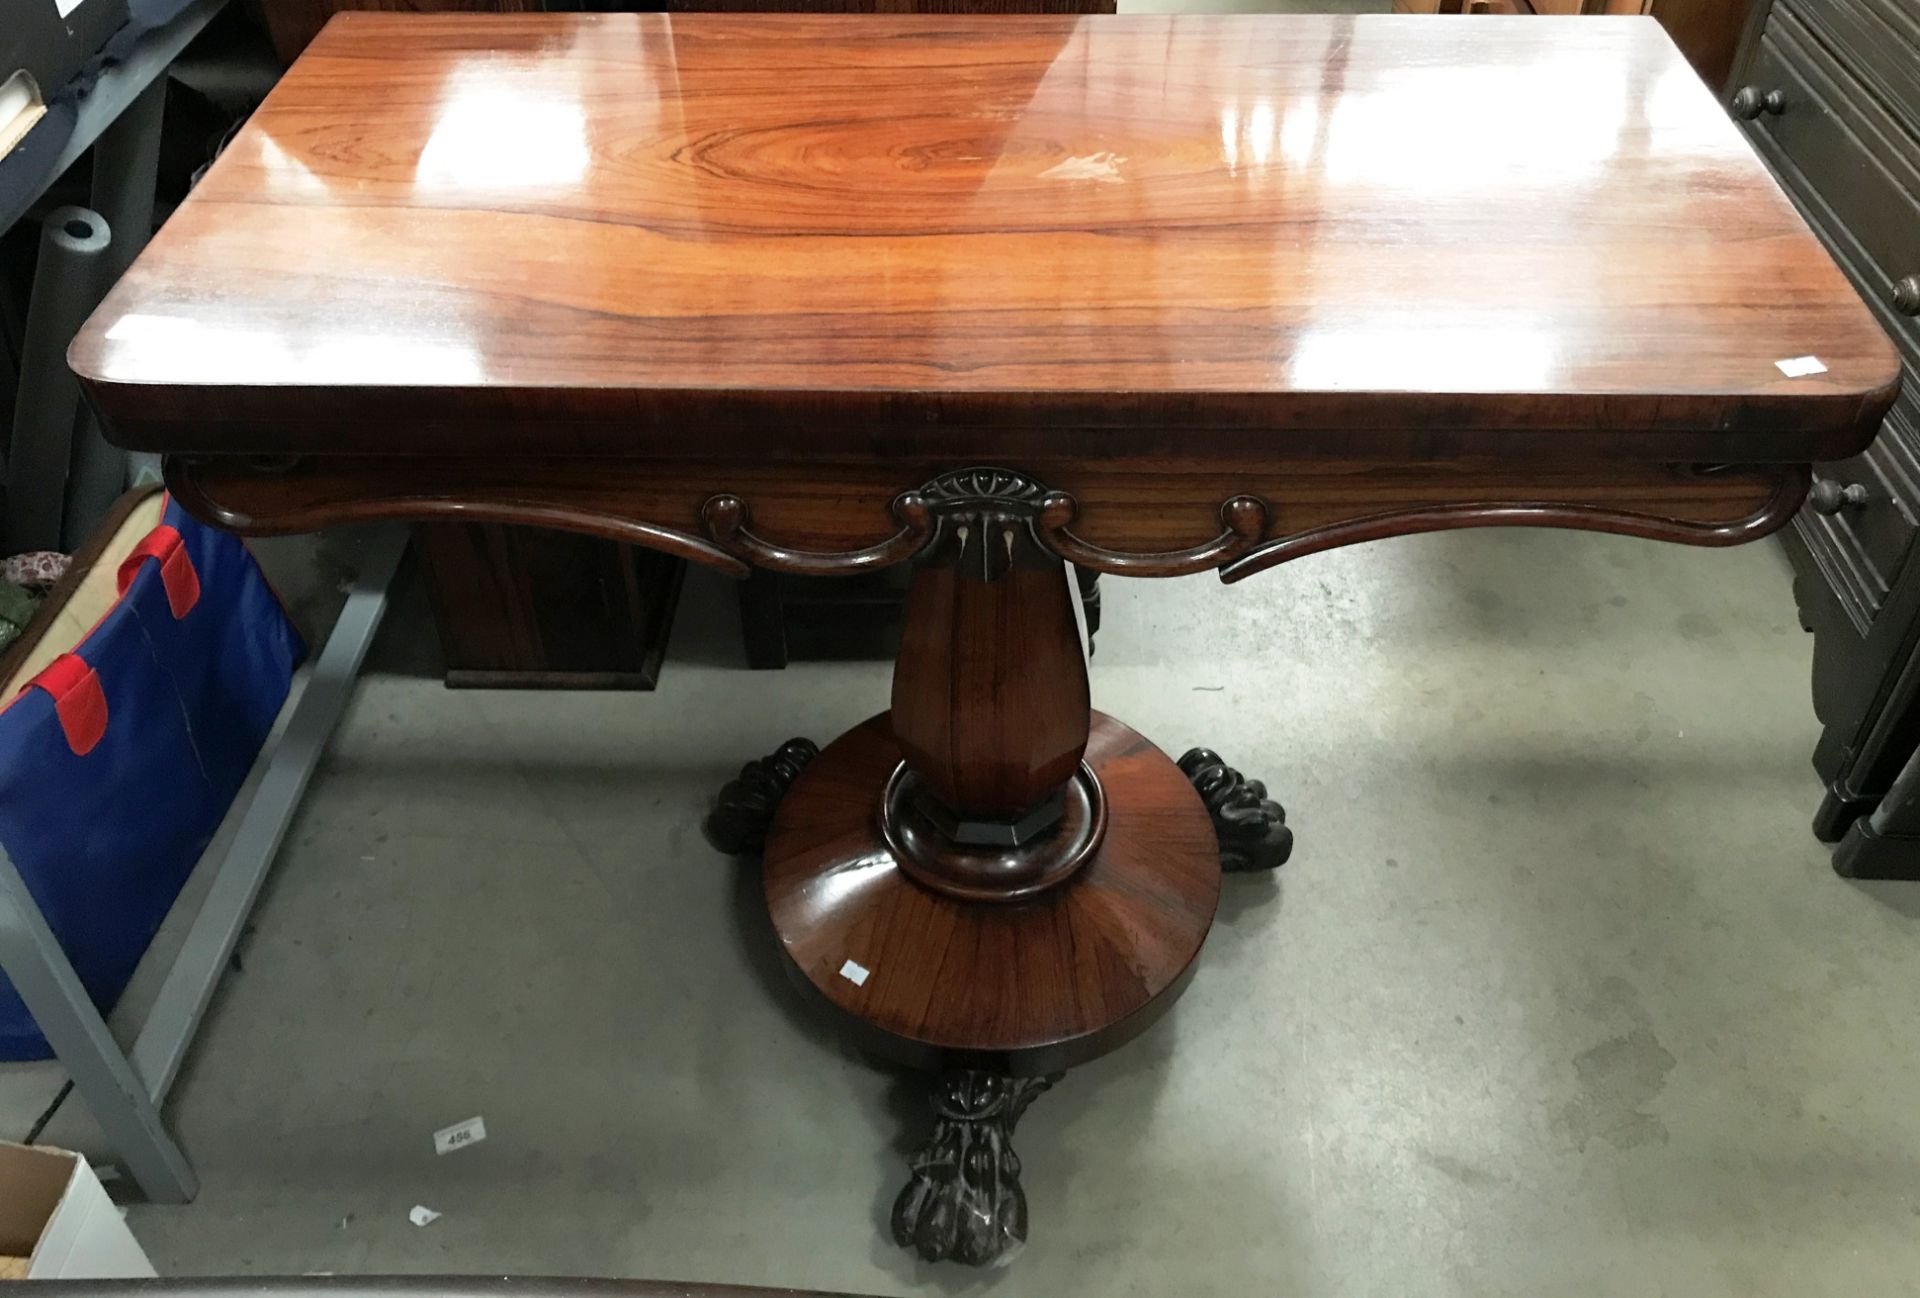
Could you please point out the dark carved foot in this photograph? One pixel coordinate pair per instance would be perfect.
(1251, 826)
(964, 1202)
(743, 812)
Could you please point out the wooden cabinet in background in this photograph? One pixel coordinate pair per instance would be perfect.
(1829, 93)
(1707, 31)
(292, 23)
(527, 608)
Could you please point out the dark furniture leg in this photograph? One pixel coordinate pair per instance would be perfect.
(743, 811)
(963, 1201)
(1886, 844)
(763, 625)
(1252, 827)
(1837, 814)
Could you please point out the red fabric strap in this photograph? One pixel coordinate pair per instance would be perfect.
(176, 568)
(78, 700)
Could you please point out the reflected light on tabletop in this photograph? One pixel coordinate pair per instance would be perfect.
(507, 124)
(1506, 351)
(183, 348)
(1392, 136)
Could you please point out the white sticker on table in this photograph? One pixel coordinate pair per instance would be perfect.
(1799, 367)
(854, 973)
(459, 1135)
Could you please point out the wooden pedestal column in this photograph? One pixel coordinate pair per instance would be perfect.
(991, 880)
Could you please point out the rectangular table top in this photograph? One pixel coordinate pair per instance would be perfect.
(634, 233)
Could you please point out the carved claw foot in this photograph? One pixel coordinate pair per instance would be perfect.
(1252, 827)
(964, 1202)
(743, 812)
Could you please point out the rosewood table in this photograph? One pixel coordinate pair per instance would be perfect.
(1152, 296)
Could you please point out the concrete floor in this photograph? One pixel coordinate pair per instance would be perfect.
(1558, 995)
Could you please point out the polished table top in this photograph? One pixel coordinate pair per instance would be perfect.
(577, 233)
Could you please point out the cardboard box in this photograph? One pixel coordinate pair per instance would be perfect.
(57, 1223)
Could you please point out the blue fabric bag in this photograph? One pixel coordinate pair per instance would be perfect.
(119, 759)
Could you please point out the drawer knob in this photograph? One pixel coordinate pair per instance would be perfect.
(1829, 497)
(1749, 102)
(1906, 295)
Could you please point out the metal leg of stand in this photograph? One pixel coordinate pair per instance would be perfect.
(188, 988)
(40, 972)
(124, 1091)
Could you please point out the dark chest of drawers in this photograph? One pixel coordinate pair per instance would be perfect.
(1829, 91)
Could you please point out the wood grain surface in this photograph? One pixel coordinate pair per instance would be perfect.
(1031, 986)
(611, 234)
(990, 692)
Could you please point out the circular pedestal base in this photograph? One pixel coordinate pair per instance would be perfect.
(1027, 987)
